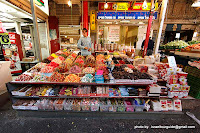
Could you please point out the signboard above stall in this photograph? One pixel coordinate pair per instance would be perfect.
(125, 15)
(125, 6)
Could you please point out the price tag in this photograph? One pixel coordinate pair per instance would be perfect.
(171, 61)
(4, 38)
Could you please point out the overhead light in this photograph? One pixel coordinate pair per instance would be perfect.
(65, 36)
(144, 5)
(125, 21)
(69, 3)
(196, 4)
(106, 5)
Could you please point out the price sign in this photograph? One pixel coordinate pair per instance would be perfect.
(171, 61)
(4, 38)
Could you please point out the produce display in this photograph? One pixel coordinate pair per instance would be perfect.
(176, 44)
(194, 46)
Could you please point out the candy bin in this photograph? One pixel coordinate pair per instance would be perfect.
(50, 105)
(76, 105)
(129, 106)
(139, 105)
(41, 104)
(121, 106)
(94, 105)
(85, 105)
(67, 104)
(59, 104)
(112, 105)
(103, 105)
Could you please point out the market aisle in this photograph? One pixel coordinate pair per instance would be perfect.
(11, 123)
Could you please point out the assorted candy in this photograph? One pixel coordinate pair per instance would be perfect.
(72, 78)
(57, 77)
(23, 77)
(88, 70)
(47, 69)
(75, 69)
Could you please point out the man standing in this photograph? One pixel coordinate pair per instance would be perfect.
(84, 43)
(150, 46)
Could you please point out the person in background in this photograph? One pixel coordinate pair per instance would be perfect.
(84, 43)
(150, 46)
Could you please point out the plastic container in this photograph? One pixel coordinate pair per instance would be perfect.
(129, 106)
(112, 106)
(104, 106)
(139, 108)
(58, 104)
(76, 105)
(41, 104)
(94, 105)
(85, 105)
(49, 105)
(67, 105)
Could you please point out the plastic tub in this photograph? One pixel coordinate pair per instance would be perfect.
(139, 108)
(104, 108)
(67, 105)
(58, 104)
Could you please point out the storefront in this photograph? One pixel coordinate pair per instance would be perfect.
(22, 33)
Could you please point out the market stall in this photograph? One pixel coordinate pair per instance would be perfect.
(103, 83)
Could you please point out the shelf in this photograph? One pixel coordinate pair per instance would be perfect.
(37, 97)
(69, 83)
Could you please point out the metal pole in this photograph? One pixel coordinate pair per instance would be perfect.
(161, 22)
(36, 32)
(148, 28)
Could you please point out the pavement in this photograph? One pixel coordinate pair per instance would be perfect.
(10, 122)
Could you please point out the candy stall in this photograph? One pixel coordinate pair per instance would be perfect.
(69, 83)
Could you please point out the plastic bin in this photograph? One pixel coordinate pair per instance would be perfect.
(139, 108)
(76, 106)
(67, 105)
(49, 105)
(41, 104)
(104, 108)
(121, 108)
(58, 104)
(94, 107)
(129, 106)
(85, 105)
(112, 106)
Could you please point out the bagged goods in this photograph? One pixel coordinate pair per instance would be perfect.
(79, 61)
(47, 69)
(88, 70)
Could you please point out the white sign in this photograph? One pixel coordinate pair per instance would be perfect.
(71, 40)
(178, 35)
(171, 61)
(43, 5)
(113, 33)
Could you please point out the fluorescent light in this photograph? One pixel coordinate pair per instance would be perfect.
(106, 5)
(69, 3)
(196, 4)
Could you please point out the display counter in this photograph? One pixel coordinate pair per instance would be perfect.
(102, 84)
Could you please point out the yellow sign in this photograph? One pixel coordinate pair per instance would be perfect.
(149, 7)
(4, 38)
(92, 20)
(122, 6)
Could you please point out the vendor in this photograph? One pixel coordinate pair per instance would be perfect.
(84, 43)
